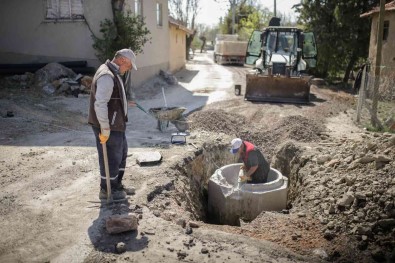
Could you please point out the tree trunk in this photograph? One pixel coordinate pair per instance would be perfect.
(189, 41)
(350, 65)
(117, 7)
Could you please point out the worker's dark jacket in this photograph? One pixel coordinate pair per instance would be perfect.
(253, 157)
(116, 113)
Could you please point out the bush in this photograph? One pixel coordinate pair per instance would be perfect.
(126, 31)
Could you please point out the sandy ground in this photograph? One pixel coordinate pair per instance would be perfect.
(49, 178)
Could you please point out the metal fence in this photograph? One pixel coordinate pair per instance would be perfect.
(376, 99)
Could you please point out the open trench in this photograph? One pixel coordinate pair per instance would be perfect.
(281, 144)
(191, 185)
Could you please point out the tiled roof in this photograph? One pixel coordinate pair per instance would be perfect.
(388, 7)
(180, 25)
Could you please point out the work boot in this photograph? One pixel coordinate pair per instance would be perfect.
(103, 194)
(127, 190)
(116, 194)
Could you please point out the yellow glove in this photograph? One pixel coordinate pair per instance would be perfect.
(104, 135)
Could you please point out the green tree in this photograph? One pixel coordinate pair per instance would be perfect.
(126, 31)
(249, 17)
(209, 32)
(342, 36)
(252, 18)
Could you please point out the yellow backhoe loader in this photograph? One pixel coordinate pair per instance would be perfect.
(280, 56)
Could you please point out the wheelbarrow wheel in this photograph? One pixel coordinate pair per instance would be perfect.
(181, 124)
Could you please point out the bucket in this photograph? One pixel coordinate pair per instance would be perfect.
(237, 90)
(178, 138)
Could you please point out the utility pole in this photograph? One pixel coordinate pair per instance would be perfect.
(377, 69)
(233, 16)
(275, 8)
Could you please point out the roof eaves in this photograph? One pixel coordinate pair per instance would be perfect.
(179, 25)
(388, 7)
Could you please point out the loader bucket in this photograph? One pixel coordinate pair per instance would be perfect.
(277, 89)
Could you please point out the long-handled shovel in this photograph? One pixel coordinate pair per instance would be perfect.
(142, 109)
(107, 170)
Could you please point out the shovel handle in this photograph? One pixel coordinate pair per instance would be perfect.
(107, 170)
(141, 108)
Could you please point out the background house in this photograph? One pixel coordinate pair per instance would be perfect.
(388, 48)
(42, 31)
(177, 42)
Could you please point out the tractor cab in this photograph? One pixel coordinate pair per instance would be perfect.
(280, 57)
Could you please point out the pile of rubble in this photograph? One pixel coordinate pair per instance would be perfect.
(52, 79)
(349, 186)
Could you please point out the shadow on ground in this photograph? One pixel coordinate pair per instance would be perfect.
(105, 242)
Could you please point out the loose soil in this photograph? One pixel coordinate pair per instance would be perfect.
(49, 178)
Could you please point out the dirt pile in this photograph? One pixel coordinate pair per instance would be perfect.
(296, 128)
(351, 189)
(217, 121)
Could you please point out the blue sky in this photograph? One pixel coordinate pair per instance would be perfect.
(211, 11)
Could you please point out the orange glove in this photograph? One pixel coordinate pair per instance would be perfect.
(104, 135)
(131, 103)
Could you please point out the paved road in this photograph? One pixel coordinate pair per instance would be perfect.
(210, 80)
(202, 82)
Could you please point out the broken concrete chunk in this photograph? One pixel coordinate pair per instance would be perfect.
(321, 159)
(333, 162)
(366, 159)
(346, 201)
(149, 158)
(51, 72)
(383, 158)
(121, 223)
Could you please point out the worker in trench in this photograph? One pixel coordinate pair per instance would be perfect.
(255, 168)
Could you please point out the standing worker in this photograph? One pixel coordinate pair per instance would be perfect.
(108, 111)
(255, 167)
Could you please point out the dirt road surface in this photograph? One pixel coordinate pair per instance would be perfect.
(49, 178)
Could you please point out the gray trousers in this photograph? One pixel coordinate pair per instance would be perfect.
(117, 151)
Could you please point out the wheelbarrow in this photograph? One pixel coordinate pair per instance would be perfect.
(174, 115)
(164, 115)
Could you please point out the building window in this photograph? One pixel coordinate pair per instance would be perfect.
(64, 10)
(159, 15)
(138, 11)
(386, 29)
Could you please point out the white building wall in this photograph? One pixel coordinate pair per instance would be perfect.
(27, 38)
(155, 55)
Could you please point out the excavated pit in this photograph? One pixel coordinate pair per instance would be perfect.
(211, 193)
